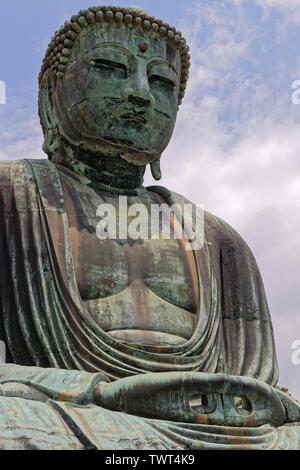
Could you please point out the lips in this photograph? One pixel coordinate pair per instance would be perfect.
(132, 114)
(136, 117)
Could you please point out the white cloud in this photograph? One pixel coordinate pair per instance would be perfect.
(21, 140)
(228, 42)
(289, 8)
(281, 4)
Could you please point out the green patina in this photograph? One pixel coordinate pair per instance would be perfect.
(125, 343)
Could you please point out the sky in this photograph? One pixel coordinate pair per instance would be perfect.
(235, 147)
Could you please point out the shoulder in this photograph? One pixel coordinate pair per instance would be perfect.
(18, 166)
(218, 232)
(12, 172)
(18, 180)
(220, 228)
(21, 171)
(11, 165)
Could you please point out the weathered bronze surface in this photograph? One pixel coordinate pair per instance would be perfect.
(125, 343)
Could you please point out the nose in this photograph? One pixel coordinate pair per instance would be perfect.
(138, 97)
(139, 92)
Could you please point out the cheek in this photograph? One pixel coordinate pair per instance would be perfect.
(85, 102)
(94, 117)
(166, 101)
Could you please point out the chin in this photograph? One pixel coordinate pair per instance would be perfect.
(127, 151)
(138, 159)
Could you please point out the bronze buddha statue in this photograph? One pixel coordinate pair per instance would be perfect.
(125, 342)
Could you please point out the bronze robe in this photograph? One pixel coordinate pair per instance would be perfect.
(44, 323)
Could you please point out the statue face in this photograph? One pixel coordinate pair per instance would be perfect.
(120, 91)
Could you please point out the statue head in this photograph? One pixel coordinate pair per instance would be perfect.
(111, 83)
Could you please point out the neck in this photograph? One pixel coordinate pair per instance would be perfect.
(109, 170)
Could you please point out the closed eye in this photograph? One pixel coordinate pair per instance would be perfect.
(162, 79)
(105, 63)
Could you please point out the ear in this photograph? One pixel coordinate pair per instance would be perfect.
(52, 137)
(155, 169)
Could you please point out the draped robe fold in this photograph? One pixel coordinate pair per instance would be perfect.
(44, 323)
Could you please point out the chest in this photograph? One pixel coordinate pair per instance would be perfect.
(132, 253)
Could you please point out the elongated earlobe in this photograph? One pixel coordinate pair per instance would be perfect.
(52, 138)
(51, 142)
(155, 169)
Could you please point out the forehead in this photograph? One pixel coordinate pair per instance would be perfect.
(99, 34)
